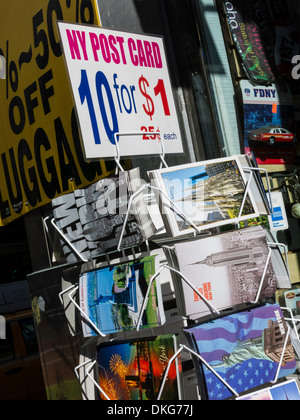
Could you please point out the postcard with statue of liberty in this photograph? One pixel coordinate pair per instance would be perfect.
(245, 349)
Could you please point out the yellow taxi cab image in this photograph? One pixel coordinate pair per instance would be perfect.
(21, 376)
(272, 134)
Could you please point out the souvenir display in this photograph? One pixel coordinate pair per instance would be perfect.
(209, 281)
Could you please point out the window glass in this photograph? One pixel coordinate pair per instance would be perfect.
(29, 335)
(7, 346)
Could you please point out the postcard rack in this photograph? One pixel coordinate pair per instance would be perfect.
(194, 354)
(182, 214)
(74, 288)
(90, 364)
(148, 186)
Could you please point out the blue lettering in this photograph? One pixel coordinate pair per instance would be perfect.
(101, 81)
(171, 136)
(127, 96)
(85, 95)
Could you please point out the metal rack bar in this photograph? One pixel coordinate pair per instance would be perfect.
(85, 316)
(64, 238)
(165, 266)
(252, 170)
(282, 355)
(263, 277)
(128, 134)
(88, 372)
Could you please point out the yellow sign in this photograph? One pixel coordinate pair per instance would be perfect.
(40, 145)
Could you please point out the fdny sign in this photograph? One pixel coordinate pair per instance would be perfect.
(264, 93)
(273, 94)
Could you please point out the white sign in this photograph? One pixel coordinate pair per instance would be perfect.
(120, 83)
(278, 220)
(272, 94)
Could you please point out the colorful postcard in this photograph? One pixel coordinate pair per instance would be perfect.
(113, 297)
(208, 194)
(261, 395)
(133, 370)
(244, 349)
(285, 391)
(248, 37)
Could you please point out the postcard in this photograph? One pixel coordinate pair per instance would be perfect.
(226, 269)
(92, 219)
(208, 194)
(112, 297)
(242, 349)
(67, 219)
(285, 391)
(102, 208)
(260, 395)
(133, 369)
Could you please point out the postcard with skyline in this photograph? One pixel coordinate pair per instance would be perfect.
(209, 194)
(133, 369)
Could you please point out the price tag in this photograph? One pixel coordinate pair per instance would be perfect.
(121, 85)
